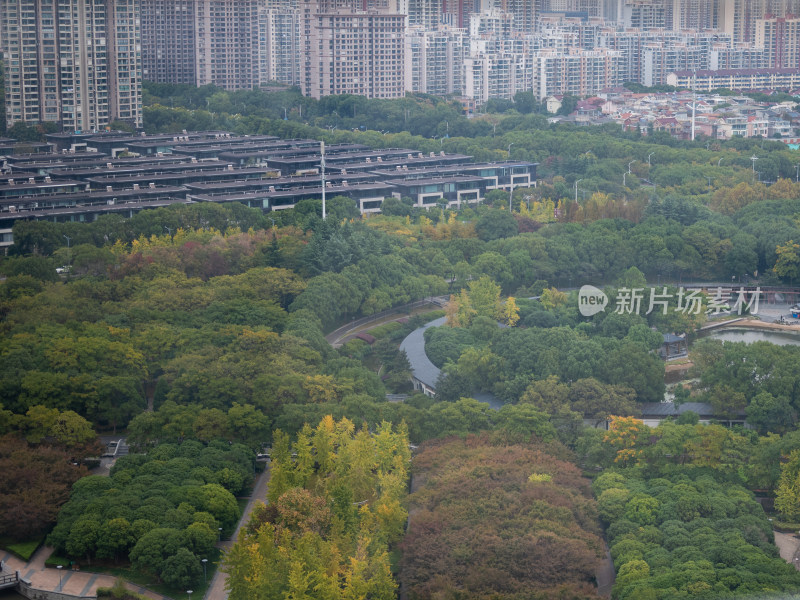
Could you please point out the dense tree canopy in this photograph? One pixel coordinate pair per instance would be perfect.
(499, 521)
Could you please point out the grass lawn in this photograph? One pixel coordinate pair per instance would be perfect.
(242, 502)
(53, 561)
(23, 550)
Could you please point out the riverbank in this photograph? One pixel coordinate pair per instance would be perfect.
(757, 324)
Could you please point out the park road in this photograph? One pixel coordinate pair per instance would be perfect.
(217, 591)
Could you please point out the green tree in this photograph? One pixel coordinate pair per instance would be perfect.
(115, 538)
(83, 536)
(787, 496)
(496, 224)
(788, 264)
(181, 570)
(484, 295)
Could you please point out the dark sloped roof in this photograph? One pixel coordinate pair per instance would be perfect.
(671, 338)
(668, 409)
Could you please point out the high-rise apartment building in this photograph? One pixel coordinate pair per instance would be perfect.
(780, 40)
(350, 51)
(644, 14)
(72, 62)
(435, 60)
(426, 14)
(738, 18)
(693, 14)
(278, 40)
(168, 41)
(352, 47)
(234, 44)
(579, 72)
(224, 43)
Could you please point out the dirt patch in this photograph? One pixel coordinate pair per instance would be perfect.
(673, 367)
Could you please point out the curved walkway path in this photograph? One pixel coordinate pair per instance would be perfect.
(345, 332)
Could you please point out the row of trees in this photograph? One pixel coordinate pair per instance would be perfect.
(759, 379)
(162, 511)
(336, 506)
(42, 453)
(681, 536)
(493, 520)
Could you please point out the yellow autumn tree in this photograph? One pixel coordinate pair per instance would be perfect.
(459, 311)
(552, 298)
(510, 312)
(625, 435)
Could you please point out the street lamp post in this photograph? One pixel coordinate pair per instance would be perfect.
(754, 158)
(648, 159)
(719, 161)
(205, 578)
(190, 593)
(322, 173)
(797, 173)
(576, 189)
(59, 567)
(219, 534)
(285, 118)
(69, 239)
(510, 183)
(629, 166)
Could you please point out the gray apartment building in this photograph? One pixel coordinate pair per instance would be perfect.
(72, 62)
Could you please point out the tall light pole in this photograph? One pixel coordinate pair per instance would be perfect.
(322, 172)
(59, 567)
(797, 173)
(510, 182)
(720, 161)
(284, 113)
(576, 189)
(69, 239)
(219, 534)
(648, 159)
(629, 166)
(754, 158)
(205, 578)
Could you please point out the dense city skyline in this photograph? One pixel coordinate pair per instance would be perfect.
(89, 74)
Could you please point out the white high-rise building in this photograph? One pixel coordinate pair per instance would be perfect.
(435, 61)
(72, 62)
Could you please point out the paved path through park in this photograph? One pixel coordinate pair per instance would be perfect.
(216, 591)
(74, 583)
(789, 546)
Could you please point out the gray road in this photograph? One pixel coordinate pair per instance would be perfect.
(217, 591)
